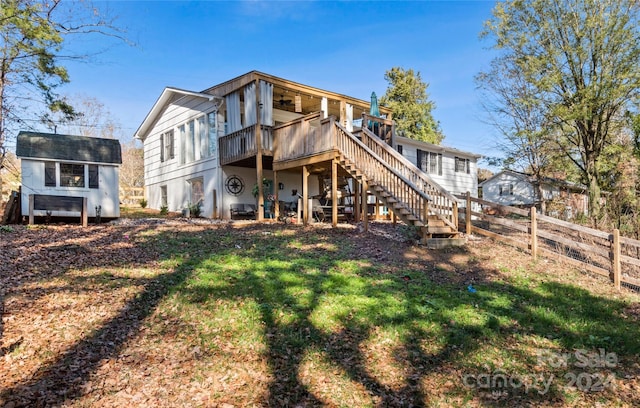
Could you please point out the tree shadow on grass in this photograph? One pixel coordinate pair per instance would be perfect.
(570, 316)
(317, 296)
(62, 380)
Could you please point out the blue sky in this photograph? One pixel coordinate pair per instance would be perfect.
(344, 47)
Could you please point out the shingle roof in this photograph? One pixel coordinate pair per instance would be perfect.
(68, 147)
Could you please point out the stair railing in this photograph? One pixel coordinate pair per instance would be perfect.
(443, 204)
(378, 172)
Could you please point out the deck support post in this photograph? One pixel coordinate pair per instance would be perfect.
(305, 195)
(356, 201)
(365, 205)
(334, 192)
(259, 172)
(276, 198)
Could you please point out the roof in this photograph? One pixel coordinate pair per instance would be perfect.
(169, 94)
(545, 180)
(217, 92)
(434, 148)
(68, 147)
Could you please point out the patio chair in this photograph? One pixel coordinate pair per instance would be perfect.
(317, 211)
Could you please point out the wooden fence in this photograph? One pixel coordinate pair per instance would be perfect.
(603, 253)
(131, 196)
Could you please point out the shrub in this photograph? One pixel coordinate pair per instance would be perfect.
(164, 210)
(194, 210)
(143, 203)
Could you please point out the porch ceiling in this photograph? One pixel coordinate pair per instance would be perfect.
(284, 98)
(267, 163)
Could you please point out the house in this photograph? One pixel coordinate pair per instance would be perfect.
(60, 170)
(210, 148)
(453, 169)
(519, 189)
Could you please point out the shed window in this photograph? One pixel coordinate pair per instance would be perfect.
(71, 175)
(505, 189)
(399, 147)
(49, 174)
(93, 176)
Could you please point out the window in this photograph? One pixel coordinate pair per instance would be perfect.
(167, 142)
(505, 189)
(202, 147)
(71, 175)
(94, 179)
(399, 147)
(462, 165)
(162, 155)
(430, 162)
(183, 144)
(423, 159)
(163, 196)
(191, 142)
(197, 191)
(49, 174)
(197, 138)
(435, 163)
(213, 139)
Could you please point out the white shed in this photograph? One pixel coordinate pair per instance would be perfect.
(61, 169)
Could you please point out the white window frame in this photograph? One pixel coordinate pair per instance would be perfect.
(199, 198)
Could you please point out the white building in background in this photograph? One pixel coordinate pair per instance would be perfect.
(59, 166)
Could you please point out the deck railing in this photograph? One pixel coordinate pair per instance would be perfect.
(301, 138)
(381, 127)
(242, 144)
(376, 169)
(311, 135)
(442, 204)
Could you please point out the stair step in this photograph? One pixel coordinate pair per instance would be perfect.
(439, 230)
(439, 243)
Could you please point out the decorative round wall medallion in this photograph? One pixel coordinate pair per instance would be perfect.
(234, 185)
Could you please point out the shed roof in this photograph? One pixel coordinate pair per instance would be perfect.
(68, 147)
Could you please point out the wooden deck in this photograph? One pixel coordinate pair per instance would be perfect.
(321, 145)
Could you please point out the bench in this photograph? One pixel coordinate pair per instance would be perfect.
(45, 202)
(239, 210)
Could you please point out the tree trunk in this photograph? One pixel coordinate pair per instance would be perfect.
(594, 192)
(540, 195)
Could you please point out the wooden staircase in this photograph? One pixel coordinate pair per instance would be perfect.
(410, 193)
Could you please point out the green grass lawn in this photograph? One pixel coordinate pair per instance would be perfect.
(313, 305)
(275, 315)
